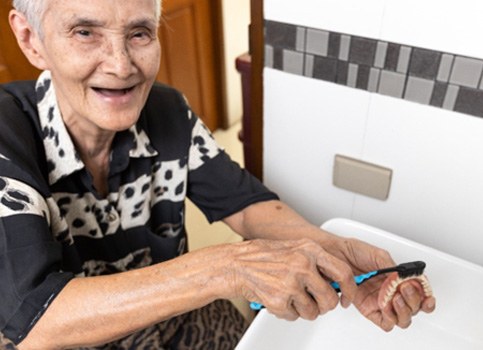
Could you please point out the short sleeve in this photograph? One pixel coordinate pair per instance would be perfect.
(220, 187)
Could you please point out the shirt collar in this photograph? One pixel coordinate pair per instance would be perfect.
(62, 157)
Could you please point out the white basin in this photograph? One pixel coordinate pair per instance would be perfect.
(457, 322)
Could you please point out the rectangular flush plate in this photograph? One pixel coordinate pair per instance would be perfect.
(362, 177)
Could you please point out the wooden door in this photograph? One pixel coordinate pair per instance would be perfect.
(191, 37)
(13, 64)
(192, 61)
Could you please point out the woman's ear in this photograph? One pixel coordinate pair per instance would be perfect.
(28, 39)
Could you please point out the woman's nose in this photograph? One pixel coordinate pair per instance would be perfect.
(117, 59)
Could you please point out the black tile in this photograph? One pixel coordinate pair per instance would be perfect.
(362, 51)
(334, 45)
(325, 68)
(469, 101)
(362, 77)
(392, 56)
(342, 72)
(439, 92)
(424, 63)
(280, 35)
(278, 58)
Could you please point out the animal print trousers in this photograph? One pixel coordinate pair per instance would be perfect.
(217, 326)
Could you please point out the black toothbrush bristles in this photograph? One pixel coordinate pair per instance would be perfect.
(410, 269)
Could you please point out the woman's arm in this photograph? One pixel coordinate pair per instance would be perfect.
(96, 310)
(275, 220)
(283, 275)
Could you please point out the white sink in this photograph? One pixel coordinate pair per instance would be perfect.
(457, 322)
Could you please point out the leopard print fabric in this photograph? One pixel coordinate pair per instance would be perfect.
(217, 326)
(6, 344)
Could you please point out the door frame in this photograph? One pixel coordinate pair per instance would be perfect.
(256, 109)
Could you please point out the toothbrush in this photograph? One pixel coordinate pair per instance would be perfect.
(406, 270)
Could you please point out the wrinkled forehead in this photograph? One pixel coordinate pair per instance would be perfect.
(120, 10)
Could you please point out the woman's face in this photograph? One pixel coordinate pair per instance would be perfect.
(104, 57)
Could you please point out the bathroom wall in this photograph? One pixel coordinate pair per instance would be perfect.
(395, 83)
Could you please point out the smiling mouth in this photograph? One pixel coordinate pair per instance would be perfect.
(113, 92)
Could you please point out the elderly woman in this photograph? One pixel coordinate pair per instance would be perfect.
(96, 161)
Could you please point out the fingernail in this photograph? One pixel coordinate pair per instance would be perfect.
(408, 291)
(400, 301)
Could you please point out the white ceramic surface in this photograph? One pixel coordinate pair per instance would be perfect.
(448, 26)
(343, 16)
(435, 154)
(456, 324)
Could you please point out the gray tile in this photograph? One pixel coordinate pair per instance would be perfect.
(352, 75)
(445, 67)
(278, 58)
(309, 66)
(466, 71)
(334, 45)
(300, 39)
(403, 61)
(317, 42)
(450, 97)
(325, 68)
(380, 58)
(392, 56)
(391, 83)
(469, 101)
(424, 63)
(345, 43)
(280, 35)
(293, 62)
(439, 92)
(373, 83)
(268, 56)
(362, 51)
(419, 90)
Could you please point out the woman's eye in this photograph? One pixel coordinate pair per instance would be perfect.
(84, 35)
(142, 36)
(83, 32)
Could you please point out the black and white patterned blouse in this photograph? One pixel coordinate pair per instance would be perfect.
(54, 225)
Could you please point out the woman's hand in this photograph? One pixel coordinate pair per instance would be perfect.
(286, 276)
(337, 259)
(406, 302)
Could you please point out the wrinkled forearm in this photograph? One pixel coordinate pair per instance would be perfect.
(275, 220)
(96, 310)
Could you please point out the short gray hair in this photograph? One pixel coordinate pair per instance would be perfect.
(34, 11)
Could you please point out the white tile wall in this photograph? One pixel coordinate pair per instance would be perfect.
(347, 16)
(437, 191)
(305, 125)
(448, 26)
(437, 155)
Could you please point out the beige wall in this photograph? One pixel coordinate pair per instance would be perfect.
(236, 17)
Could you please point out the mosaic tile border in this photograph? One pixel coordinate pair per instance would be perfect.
(435, 78)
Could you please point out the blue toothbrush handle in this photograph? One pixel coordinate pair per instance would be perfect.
(361, 278)
(256, 306)
(358, 279)
(336, 286)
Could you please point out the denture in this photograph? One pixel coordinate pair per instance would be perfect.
(393, 281)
